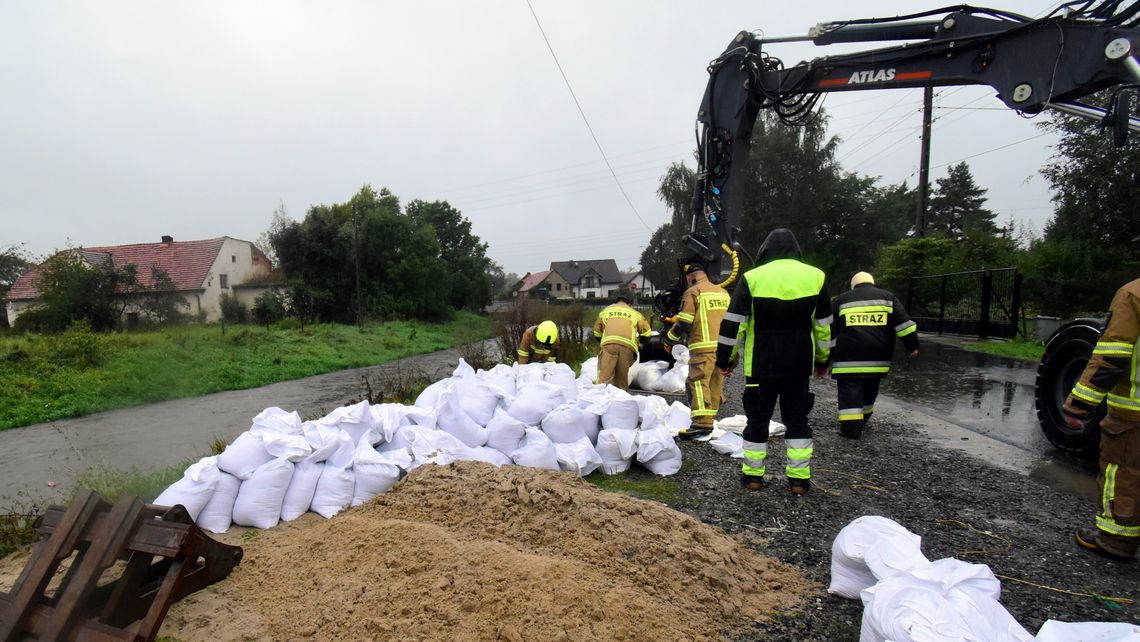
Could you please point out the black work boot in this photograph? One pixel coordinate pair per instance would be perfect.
(799, 486)
(751, 482)
(692, 432)
(1087, 540)
(851, 429)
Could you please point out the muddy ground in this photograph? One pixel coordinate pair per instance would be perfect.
(941, 493)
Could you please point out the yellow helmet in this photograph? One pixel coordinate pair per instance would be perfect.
(547, 332)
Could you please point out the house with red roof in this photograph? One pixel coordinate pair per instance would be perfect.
(202, 271)
(544, 285)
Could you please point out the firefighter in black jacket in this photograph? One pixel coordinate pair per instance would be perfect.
(867, 320)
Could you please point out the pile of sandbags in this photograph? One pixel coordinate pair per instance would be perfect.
(909, 598)
(659, 376)
(535, 415)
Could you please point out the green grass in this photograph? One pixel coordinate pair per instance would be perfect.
(111, 484)
(1017, 348)
(640, 484)
(44, 378)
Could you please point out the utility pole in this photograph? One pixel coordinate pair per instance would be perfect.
(924, 163)
(356, 259)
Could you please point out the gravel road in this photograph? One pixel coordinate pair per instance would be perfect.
(941, 482)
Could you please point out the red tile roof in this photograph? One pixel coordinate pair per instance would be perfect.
(187, 263)
(532, 280)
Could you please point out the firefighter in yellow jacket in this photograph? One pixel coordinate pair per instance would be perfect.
(702, 308)
(539, 343)
(618, 328)
(1111, 376)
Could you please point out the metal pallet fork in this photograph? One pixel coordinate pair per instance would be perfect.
(167, 558)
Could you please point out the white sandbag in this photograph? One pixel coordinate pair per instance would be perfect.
(335, 486)
(274, 419)
(673, 381)
(632, 374)
(244, 455)
(527, 374)
(463, 370)
(652, 409)
(388, 417)
(376, 472)
(596, 398)
(356, 420)
(589, 371)
(478, 399)
(616, 448)
(906, 608)
(677, 418)
(452, 419)
(260, 497)
(569, 423)
(504, 432)
(622, 414)
(850, 573)
(535, 400)
(218, 514)
(501, 376)
(729, 443)
(463, 453)
(302, 488)
(1054, 631)
(562, 376)
(578, 457)
(429, 398)
(657, 451)
(737, 424)
(680, 354)
(649, 372)
(323, 440)
(293, 447)
(423, 444)
(536, 451)
(195, 488)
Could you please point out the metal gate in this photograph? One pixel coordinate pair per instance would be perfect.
(986, 303)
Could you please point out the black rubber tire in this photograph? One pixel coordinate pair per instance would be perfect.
(1066, 353)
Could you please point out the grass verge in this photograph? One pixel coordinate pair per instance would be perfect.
(641, 484)
(1016, 349)
(43, 378)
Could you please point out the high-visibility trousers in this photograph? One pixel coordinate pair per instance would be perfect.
(1118, 523)
(706, 388)
(614, 362)
(795, 399)
(856, 403)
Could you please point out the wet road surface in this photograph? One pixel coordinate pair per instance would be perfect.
(989, 395)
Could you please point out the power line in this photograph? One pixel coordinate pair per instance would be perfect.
(1023, 140)
(583, 114)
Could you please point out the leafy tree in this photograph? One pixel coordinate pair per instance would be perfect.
(277, 222)
(957, 205)
(268, 308)
(72, 290)
(233, 311)
(464, 253)
(161, 301)
(659, 258)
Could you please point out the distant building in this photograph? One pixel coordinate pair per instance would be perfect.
(590, 279)
(543, 285)
(640, 285)
(202, 271)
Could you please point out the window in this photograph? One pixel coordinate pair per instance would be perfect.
(591, 295)
(558, 286)
(224, 281)
(233, 259)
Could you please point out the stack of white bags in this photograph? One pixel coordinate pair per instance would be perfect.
(907, 598)
(535, 415)
(658, 376)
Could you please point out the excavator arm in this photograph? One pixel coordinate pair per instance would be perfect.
(1032, 64)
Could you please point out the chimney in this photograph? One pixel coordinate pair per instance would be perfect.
(167, 239)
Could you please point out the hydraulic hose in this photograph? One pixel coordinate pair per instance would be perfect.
(735, 266)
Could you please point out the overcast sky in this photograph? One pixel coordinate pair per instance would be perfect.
(124, 121)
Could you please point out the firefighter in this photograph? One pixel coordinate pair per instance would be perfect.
(539, 343)
(782, 316)
(1111, 376)
(867, 320)
(618, 328)
(702, 308)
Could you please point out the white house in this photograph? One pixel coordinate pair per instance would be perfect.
(202, 271)
(598, 278)
(640, 285)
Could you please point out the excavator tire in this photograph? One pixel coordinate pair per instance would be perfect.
(1066, 353)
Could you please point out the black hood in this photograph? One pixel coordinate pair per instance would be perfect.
(780, 244)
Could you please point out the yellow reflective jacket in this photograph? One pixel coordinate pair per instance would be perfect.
(702, 308)
(621, 324)
(1111, 374)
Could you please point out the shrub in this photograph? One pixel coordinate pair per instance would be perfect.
(233, 311)
(268, 308)
(513, 321)
(79, 346)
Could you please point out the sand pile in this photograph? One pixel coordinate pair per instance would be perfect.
(470, 551)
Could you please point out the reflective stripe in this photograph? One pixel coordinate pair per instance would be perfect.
(754, 455)
(728, 341)
(685, 316)
(1114, 348)
(1106, 520)
(1081, 391)
(825, 344)
(799, 444)
(523, 353)
(1124, 403)
(903, 326)
(734, 317)
(868, 409)
(797, 473)
(860, 367)
(799, 458)
(701, 344)
(869, 302)
(825, 320)
(850, 413)
(629, 343)
(698, 396)
(673, 337)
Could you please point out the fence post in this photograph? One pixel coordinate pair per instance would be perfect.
(1015, 306)
(987, 292)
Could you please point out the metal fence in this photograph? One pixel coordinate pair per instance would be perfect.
(985, 303)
